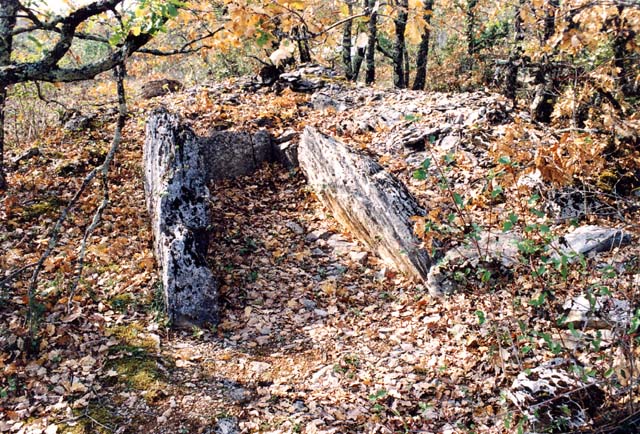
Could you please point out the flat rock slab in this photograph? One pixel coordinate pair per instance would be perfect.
(591, 239)
(593, 312)
(552, 392)
(178, 204)
(373, 205)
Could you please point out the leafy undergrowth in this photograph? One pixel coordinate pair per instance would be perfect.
(314, 337)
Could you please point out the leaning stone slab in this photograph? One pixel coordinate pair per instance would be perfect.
(373, 205)
(177, 201)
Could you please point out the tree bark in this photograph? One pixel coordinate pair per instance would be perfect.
(357, 63)
(399, 47)
(423, 49)
(515, 60)
(372, 204)
(544, 100)
(621, 56)
(370, 75)
(178, 203)
(303, 44)
(8, 12)
(406, 66)
(470, 29)
(347, 35)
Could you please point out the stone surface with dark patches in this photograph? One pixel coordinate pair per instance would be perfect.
(177, 201)
(155, 88)
(497, 248)
(229, 154)
(79, 122)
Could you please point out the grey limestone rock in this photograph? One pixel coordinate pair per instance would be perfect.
(229, 154)
(552, 394)
(372, 204)
(604, 312)
(177, 201)
(500, 248)
(591, 239)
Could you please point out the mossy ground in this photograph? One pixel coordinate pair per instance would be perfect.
(95, 419)
(138, 365)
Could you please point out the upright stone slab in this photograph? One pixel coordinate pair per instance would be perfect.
(228, 154)
(372, 204)
(177, 201)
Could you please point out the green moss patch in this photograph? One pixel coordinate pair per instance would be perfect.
(95, 419)
(137, 366)
(121, 302)
(47, 207)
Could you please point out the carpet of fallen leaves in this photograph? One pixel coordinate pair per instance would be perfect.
(317, 334)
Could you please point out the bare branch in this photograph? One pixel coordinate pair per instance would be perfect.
(119, 73)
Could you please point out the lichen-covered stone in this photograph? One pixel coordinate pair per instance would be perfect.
(177, 201)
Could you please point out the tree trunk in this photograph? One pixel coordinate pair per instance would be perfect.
(406, 67)
(399, 47)
(178, 203)
(544, 99)
(423, 49)
(357, 62)
(623, 35)
(347, 35)
(515, 60)
(372, 204)
(303, 44)
(370, 75)
(8, 12)
(470, 30)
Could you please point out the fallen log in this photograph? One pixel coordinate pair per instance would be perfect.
(178, 204)
(372, 204)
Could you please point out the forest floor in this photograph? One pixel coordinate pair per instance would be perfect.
(317, 334)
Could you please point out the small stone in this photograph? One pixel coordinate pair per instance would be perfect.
(309, 304)
(318, 234)
(227, 425)
(317, 252)
(299, 405)
(321, 313)
(265, 330)
(359, 257)
(235, 392)
(295, 228)
(449, 142)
